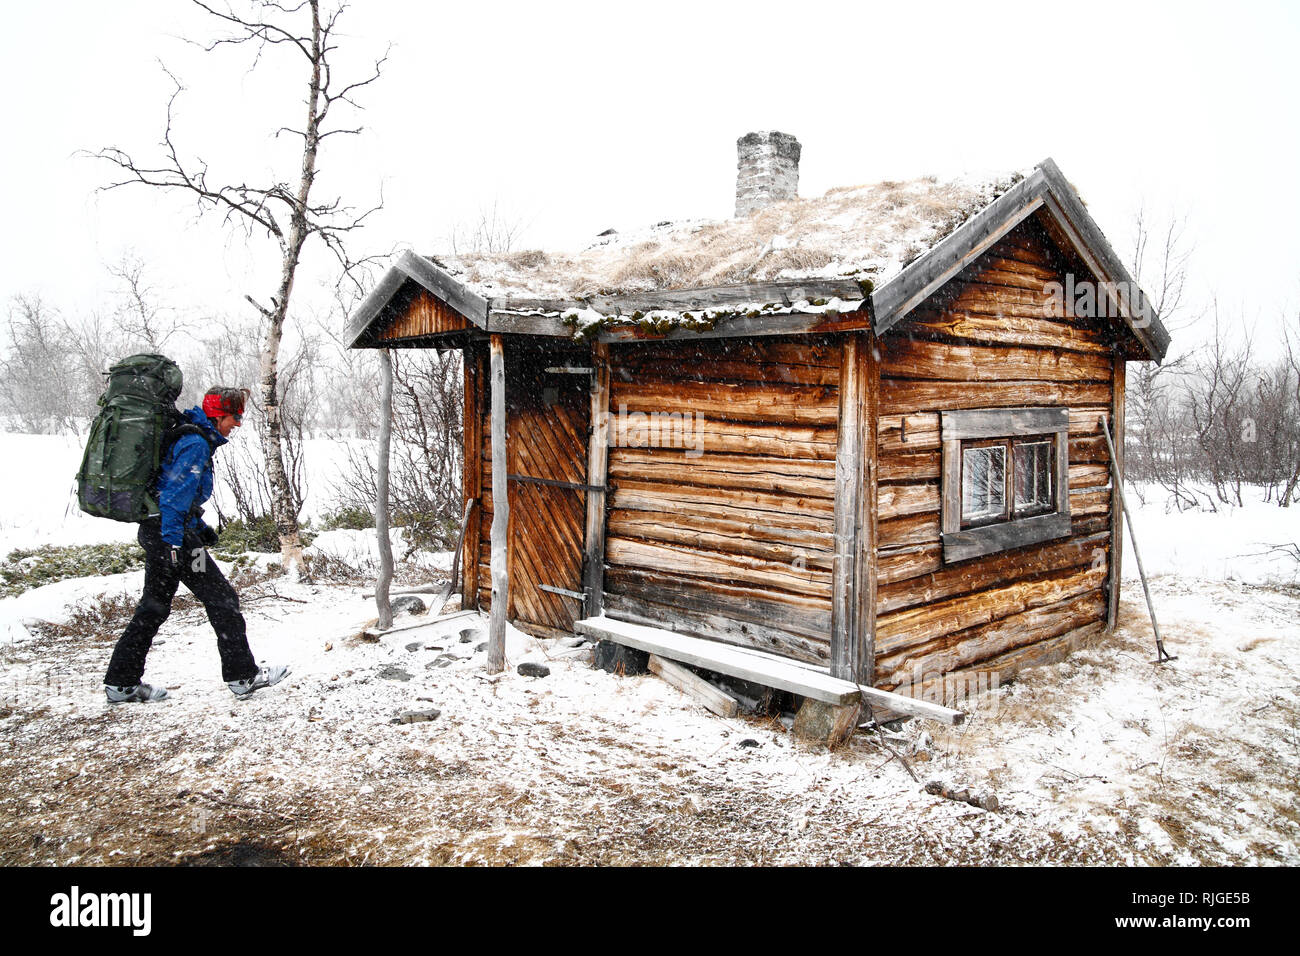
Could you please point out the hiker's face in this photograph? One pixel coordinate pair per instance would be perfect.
(226, 424)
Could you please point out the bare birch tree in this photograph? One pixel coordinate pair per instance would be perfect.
(287, 214)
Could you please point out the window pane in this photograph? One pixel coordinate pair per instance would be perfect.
(1033, 471)
(983, 485)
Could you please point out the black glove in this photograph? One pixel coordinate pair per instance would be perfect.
(207, 536)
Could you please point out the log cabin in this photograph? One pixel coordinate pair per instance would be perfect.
(832, 445)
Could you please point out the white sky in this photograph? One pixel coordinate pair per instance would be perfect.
(575, 117)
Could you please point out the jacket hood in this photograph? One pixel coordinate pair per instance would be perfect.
(195, 416)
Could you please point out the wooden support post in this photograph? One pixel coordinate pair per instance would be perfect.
(382, 602)
(597, 474)
(847, 569)
(1116, 501)
(473, 474)
(500, 512)
(867, 574)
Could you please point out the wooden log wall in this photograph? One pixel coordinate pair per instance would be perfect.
(725, 529)
(990, 340)
(423, 315)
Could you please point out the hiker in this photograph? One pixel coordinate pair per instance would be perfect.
(175, 543)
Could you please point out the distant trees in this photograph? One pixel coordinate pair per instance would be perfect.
(286, 211)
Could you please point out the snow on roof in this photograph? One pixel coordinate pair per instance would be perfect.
(864, 232)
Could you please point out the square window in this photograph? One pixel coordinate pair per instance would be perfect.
(1004, 479)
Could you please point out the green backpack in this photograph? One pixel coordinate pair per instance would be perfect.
(137, 422)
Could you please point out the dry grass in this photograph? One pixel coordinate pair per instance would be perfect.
(858, 230)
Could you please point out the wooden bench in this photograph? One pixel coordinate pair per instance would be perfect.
(797, 677)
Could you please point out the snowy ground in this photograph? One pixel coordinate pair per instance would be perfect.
(1103, 759)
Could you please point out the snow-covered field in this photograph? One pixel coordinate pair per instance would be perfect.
(1103, 759)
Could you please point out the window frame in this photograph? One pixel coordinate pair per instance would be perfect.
(984, 427)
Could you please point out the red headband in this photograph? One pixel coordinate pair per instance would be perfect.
(215, 406)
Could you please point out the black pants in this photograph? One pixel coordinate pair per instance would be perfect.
(202, 576)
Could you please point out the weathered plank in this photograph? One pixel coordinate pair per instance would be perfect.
(908, 530)
(920, 624)
(974, 542)
(1117, 535)
(847, 628)
(898, 500)
(501, 513)
(719, 566)
(593, 581)
(715, 533)
(691, 684)
(714, 435)
(796, 510)
(968, 648)
(473, 472)
(964, 424)
(736, 401)
(905, 357)
(800, 614)
(769, 671)
(993, 571)
(717, 627)
(907, 395)
(803, 477)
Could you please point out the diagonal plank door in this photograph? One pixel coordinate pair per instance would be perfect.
(547, 416)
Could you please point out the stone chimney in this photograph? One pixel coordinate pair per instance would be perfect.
(767, 170)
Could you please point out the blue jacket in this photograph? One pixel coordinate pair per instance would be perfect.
(185, 478)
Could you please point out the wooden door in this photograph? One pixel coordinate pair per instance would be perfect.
(547, 417)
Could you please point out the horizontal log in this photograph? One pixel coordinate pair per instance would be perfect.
(917, 625)
(900, 396)
(817, 352)
(732, 537)
(1087, 476)
(898, 564)
(908, 530)
(788, 475)
(1008, 328)
(921, 431)
(719, 566)
(898, 500)
(903, 357)
(715, 435)
(907, 434)
(799, 511)
(971, 647)
(1090, 502)
(988, 572)
(734, 401)
(923, 466)
(716, 627)
(795, 613)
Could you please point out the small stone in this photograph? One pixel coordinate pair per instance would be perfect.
(468, 635)
(533, 669)
(414, 646)
(407, 604)
(748, 742)
(481, 648)
(416, 716)
(389, 672)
